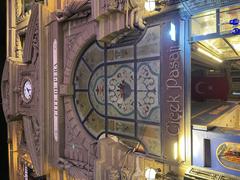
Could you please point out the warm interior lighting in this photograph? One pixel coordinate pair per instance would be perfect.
(236, 46)
(150, 174)
(209, 55)
(214, 47)
(182, 148)
(150, 5)
(175, 150)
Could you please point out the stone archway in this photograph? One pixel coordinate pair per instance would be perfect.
(80, 154)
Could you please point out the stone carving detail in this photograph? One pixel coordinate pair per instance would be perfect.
(136, 8)
(35, 44)
(32, 120)
(127, 15)
(76, 154)
(21, 12)
(133, 10)
(30, 53)
(36, 133)
(19, 49)
(74, 7)
(70, 41)
(19, 8)
(115, 4)
(68, 163)
(5, 91)
(31, 130)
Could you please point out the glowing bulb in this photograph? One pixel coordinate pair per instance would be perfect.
(150, 174)
(150, 5)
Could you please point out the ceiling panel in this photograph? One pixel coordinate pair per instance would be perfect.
(220, 48)
(235, 42)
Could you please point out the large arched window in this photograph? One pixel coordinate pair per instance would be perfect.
(117, 89)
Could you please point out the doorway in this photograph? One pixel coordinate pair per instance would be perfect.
(215, 90)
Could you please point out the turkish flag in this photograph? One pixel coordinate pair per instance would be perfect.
(209, 88)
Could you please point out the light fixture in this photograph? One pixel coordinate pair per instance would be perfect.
(175, 150)
(214, 47)
(172, 32)
(209, 55)
(150, 174)
(150, 5)
(236, 46)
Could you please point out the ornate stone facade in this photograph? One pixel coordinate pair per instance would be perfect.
(106, 96)
(62, 110)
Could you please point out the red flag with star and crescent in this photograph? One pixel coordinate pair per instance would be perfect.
(209, 88)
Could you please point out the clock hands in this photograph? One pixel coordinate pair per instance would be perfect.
(28, 90)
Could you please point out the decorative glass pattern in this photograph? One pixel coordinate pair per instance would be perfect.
(148, 84)
(121, 53)
(117, 90)
(121, 127)
(149, 45)
(150, 136)
(120, 90)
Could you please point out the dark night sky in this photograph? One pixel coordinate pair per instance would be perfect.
(3, 125)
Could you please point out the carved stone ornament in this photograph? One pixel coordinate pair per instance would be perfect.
(18, 48)
(32, 134)
(32, 121)
(127, 14)
(136, 8)
(5, 91)
(19, 8)
(133, 10)
(75, 7)
(30, 53)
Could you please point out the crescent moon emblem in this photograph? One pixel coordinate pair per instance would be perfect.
(197, 86)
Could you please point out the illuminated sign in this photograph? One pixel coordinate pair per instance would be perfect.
(172, 93)
(55, 90)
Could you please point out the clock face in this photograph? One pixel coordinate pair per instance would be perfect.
(27, 90)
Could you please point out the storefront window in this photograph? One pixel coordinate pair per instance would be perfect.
(208, 22)
(227, 14)
(117, 90)
(204, 23)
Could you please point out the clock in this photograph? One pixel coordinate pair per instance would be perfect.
(27, 90)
